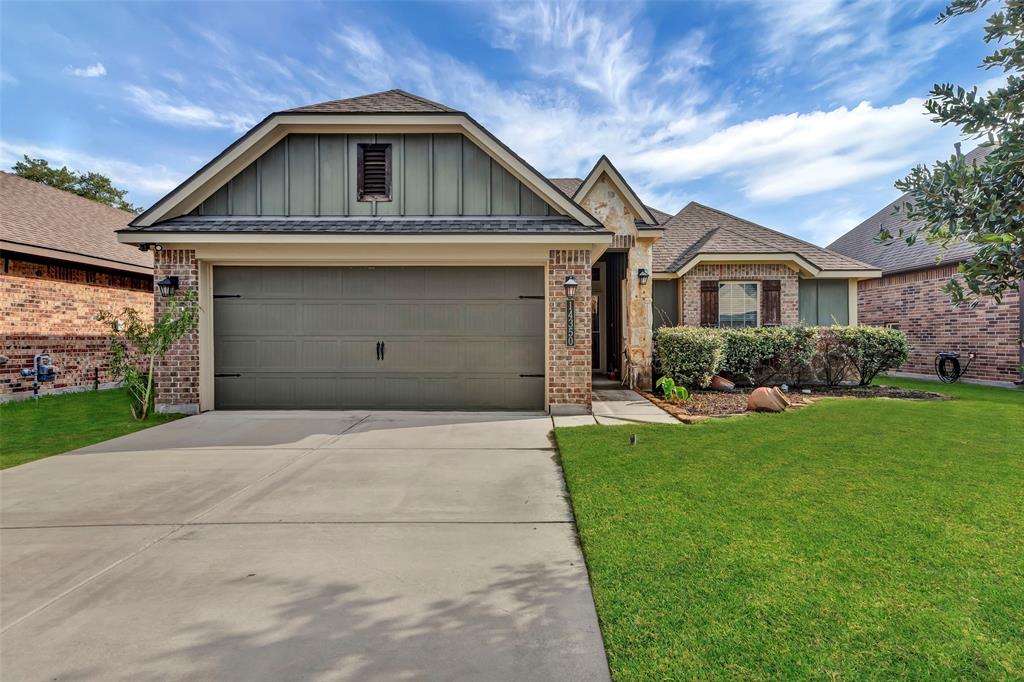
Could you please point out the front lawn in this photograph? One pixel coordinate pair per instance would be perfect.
(32, 430)
(852, 539)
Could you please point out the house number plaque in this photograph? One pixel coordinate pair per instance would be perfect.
(570, 322)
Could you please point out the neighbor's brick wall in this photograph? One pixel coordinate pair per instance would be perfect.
(177, 374)
(569, 367)
(747, 272)
(48, 307)
(915, 303)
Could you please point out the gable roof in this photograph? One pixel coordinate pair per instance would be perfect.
(390, 110)
(387, 102)
(699, 231)
(604, 166)
(45, 221)
(568, 187)
(897, 255)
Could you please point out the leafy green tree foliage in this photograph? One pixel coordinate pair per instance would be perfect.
(981, 202)
(90, 185)
(136, 345)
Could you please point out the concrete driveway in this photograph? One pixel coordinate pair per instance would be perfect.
(298, 546)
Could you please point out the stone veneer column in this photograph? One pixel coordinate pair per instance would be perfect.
(639, 341)
(569, 367)
(177, 375)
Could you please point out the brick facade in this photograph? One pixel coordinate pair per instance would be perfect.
(915, 303)
(177, 376)
(51, 307)
(569, 367)
(739, 272)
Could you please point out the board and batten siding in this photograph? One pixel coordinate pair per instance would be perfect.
(441, 174)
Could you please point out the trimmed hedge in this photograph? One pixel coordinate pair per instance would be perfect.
(690, 355)
(773, 355)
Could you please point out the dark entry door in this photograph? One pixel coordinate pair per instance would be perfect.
(386, 338)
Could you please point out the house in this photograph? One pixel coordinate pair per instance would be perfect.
(62, 265)
(387, 251)
(909, 297)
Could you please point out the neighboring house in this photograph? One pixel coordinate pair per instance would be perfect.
(62, 265)
(909, 297)
(388, 251)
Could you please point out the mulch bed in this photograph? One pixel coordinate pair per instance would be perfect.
(704, 404)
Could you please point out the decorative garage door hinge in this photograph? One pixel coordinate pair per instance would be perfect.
(227, 296)
(221, 374)
(537, 297)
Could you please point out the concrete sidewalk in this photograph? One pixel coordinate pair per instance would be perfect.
(612, 407)
(292, 546)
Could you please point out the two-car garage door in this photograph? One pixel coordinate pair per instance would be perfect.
(386, 338)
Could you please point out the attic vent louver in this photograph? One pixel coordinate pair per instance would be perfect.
(374, 172)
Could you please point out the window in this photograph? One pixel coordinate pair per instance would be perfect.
(737, 304)
(373, 172)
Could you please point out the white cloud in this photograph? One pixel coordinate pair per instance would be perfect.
(8, 79)
(825, 227)
(96, 70)
(797, 154)
(159, 105)
(145, 183)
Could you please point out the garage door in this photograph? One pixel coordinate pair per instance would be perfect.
(385, 338)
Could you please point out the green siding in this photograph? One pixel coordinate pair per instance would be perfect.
(447, 173)
(302, 174)
(333, 174)
(272, 180)
(824, 301)
(666, 303)
(443, 174)
(244, 193)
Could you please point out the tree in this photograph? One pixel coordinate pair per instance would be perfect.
(90, 185)
(981, 203)
(136, 345)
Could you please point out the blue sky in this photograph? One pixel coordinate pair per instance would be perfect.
(797, 115)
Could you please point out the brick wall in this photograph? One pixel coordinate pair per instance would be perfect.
(745, 272)
(51, 307)
(177, 375)
(569, 367)
(914, 302)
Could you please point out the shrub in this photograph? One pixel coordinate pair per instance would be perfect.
(833, 360)
(875, 350)
(760, 355)
(690, 355)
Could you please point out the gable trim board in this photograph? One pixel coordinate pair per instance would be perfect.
(243, 151)
(604, 166)
(792, 260)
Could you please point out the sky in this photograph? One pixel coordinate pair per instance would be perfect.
(798, 115)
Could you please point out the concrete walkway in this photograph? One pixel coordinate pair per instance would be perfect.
(619, 406)
(298, 546)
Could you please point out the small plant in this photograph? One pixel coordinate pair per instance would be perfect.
(135, 346)
(671, 391)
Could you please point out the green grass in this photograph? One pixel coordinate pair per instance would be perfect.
(854, 539)
(31, 430)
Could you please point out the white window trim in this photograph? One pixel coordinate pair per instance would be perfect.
(757, 307)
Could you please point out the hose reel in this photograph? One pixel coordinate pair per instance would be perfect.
(947, 366)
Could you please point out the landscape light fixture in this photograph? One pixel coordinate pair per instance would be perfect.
(570, 287)
(168, 286)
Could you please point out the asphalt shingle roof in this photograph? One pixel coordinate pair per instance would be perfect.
(387, 102)
(699, 229)
(379, 225)
(897, 255)
(35, 214)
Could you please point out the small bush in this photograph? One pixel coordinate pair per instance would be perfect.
(875, 349)
(765, 355)
(832, 361)
(690, 355)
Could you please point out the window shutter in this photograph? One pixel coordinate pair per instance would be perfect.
(771, 302)
(373, 172)
(709, 303)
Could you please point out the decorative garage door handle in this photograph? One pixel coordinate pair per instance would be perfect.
(378, 350)
(383, 347)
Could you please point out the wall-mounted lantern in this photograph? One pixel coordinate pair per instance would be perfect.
(168, 286)
(570, 286)
(643, 275)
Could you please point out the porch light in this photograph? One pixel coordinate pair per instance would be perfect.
(168, 286)
(643, 275)
(570, 287)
